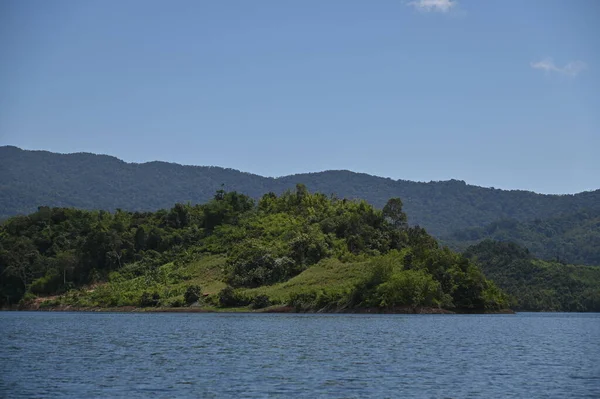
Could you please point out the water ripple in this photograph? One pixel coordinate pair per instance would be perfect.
(74, 355)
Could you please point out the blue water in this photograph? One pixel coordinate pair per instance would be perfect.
(160, 355)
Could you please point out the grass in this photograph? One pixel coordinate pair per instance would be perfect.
(330, 274)
(170, 282)
(208, 273)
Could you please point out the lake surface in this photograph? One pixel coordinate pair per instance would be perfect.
(156, 355)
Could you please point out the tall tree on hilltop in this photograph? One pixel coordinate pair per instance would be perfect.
(393, 213)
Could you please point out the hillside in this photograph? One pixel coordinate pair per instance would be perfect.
(29, 179)
(300, 250)
(538, 285)
(572, 237)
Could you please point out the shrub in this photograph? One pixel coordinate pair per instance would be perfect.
(303, 301)
(27, 298)
(192, 294)
(149, 300)
(48, 284)
(327, 300)
(115, 277)
(177, 303)
(409, 287)
(228, 297)
(260, 301)
(254, 263)
(49, 303)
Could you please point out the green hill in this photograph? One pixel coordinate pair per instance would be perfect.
(29, 179)
(302, 250)
(572, 237)
(535, 284)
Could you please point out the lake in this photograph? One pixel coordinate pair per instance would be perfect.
(191, 355)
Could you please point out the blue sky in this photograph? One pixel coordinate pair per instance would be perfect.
(496, 93)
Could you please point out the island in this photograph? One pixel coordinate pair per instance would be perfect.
(296, 252)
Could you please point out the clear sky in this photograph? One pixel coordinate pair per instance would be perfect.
(496, 93)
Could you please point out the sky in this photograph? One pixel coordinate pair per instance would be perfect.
(498, 93)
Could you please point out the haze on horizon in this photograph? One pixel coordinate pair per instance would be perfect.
(499, 93)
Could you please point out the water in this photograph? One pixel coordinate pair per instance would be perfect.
(133, 355)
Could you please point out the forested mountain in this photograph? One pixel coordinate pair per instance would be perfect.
(299, 249)
(538, 285)
(29, 179)
(572, 237)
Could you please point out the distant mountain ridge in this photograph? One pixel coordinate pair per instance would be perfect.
(538, 285)
(29, 179)
(572, 237)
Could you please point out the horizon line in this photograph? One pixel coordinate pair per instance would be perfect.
(295, 174)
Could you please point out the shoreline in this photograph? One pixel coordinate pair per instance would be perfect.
(272, 309)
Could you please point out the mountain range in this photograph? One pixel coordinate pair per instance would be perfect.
(453, 211)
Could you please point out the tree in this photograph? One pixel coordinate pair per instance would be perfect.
(409, 287)
(22, 260)
(66, 261)
(140, 239)
(392, 212)
(114, 254)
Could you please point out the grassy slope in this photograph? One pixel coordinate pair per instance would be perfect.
(330, 274)
(170, 282)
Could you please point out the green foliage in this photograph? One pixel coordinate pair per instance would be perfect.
(27, 298)
(236, 250)
(393, 212)
(321, 300)
(534, 284)
(409, 287)
(48, 284)
(260, 301)
(56, 249)
(303, 301)
(229, 297)
(253, 263)
(177, 303)
(149, 299)
(570, 238)
(432, 277)
(89, 181)
(193, 293)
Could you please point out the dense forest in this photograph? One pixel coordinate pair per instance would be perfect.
(538, 285)
(302, 250)
(29, 179)
(572, 237)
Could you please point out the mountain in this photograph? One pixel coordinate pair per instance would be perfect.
(29, 179)
(573, 237)
(537, 285)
